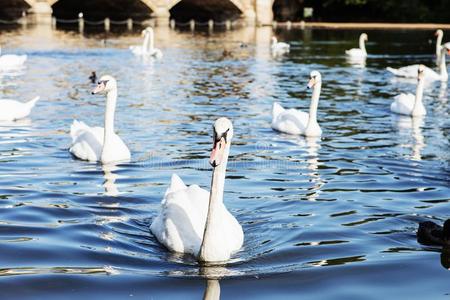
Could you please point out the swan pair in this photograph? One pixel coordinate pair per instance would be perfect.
(294, 121)
(147, 48)
(429, 74)
(10, 61)
(279, 48)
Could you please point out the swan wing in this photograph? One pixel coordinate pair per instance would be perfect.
(403, 104)
(291, 121)
(87, 142)
(355, 52)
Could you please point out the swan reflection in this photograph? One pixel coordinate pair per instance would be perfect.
(110, 180)
(411, 128)
(356, 62)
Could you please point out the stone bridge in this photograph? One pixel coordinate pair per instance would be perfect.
(253, 11)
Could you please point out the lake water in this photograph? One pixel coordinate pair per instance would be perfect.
(334, 217)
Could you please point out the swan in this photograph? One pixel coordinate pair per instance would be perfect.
(11, 110)
(147, 48)
(429, 233)
(279, 48)
(429, 74)
(196, 222)
(294, 121)
(11, 61)
(409, 104)
(97, 143)
(439, 35)
(361, 51)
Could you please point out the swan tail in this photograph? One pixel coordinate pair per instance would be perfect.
(76, 127)
(392, 70)
(32, 102)
(276, 109)
(176, 184)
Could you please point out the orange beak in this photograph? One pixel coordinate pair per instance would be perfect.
(99, 88)
(217, 152)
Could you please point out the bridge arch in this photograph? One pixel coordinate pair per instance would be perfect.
(12, 9)
(288, 10)
(218, 10)
(100, 9)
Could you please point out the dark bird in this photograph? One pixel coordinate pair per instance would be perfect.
(429, 233)
(93, 77)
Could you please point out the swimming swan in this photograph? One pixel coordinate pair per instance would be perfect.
(98, 143)
(279, 48)
(196, 222)
(11, 61)
(11, 110)
(429, 74)
(147, 48)
(294, 121)
(361, 51)
(439, 36)
(409, 104)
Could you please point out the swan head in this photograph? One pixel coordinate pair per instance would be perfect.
(364, 37)
(106, 84)
(314, 78)
(439, 32)
(446, 47)
(274, 40)
(147, 30)
(421, 72)
(222, 135)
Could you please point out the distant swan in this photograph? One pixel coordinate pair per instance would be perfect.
(147, 48)
(11, 110)
(196, 222)
(409, 104)
(97, 143)
(279, 48)
(361, 51)
(11, 61)
(294, 121)
(429, 74)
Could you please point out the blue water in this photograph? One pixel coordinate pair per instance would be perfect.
(334, 217)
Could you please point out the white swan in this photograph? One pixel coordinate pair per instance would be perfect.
(439, 34)
(11, 61)
(11, 110)
(279, 48)
(97, 143)
(294, 121)
(429, 74)
(409, 104)
(196, 222)
(361, 51)
(147, 48)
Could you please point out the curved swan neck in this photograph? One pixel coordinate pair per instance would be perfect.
(111, 99)
(145, 42)
(312, 120)
(362, 44)
(419, 96)
(215, 201)
(150, 42)
(439, 43)
(443, 64)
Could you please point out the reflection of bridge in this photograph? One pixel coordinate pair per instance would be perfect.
(253, 11)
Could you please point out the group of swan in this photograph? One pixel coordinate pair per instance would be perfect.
(192, 220)
(147, 48)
